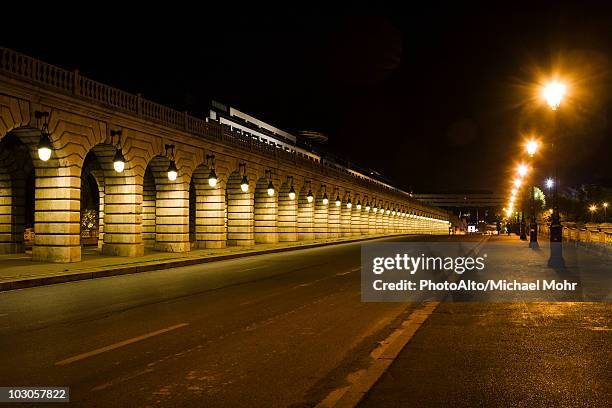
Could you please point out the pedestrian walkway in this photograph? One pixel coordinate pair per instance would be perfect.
(519, 353)
(19, 271)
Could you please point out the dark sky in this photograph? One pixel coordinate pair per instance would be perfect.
(435, 98)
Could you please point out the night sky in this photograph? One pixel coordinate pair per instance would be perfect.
(434, 98)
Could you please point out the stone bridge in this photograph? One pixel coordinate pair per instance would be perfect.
(263, 194)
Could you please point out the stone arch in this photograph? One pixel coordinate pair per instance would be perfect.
(287, 212)
(265, 212)
(305, 213)
(119, 201)
(170, 201)
(207, 207)
(56, 201)
(345, 215)
(239, 211)
(321, 213)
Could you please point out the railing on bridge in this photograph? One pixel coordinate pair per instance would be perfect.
(593, 234)
(71, 82)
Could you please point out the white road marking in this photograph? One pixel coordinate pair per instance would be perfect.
(362, 381)
(114, 346)
(351, 271)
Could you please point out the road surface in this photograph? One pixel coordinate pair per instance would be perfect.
(272, 330)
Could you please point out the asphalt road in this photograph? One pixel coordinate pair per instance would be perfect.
(273, 330)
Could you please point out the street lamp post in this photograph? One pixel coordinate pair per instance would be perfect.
(532, 147)
(553, 92)
(605, 207)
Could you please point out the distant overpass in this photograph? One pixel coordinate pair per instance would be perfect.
(462, 199)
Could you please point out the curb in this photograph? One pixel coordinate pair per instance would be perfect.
(78, 276)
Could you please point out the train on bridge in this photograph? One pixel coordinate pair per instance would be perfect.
(250, 126)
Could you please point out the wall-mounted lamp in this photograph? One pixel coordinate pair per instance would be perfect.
(270, 185)
(291, 189)
(325, 199)
(309, 196)
(44, 144)
(172, 170)
(118, 160)
(244, 183)
(212, 175)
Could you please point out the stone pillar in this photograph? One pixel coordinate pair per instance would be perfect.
(305, 214)
(287, 214)
(57, 214)
(172, 217)
(385, 221)
(372, 221)
(356, 217)
(365, 221)
(333, 219)
(209, 212)
(345, 216)
(239, 213)
(321, 216)
(265, 214)
(148, 210)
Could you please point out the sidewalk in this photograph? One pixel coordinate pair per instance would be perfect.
(518, 353)
(19, 271)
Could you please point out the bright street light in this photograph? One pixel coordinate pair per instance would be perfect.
(532, 147)
(549, 183)
(553, 92)
(522, 170)
(518, 182)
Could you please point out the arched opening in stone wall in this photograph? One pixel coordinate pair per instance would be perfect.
(306, 213)
(207, 210)
(265, 212)
(239, 211)
(345, 215)
(108, 204)
(287, 212)
(92, 199)
(165, 209)
(17, 179)
(321, 214)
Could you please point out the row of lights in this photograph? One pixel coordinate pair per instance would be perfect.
(553, 93)
(45, 149)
